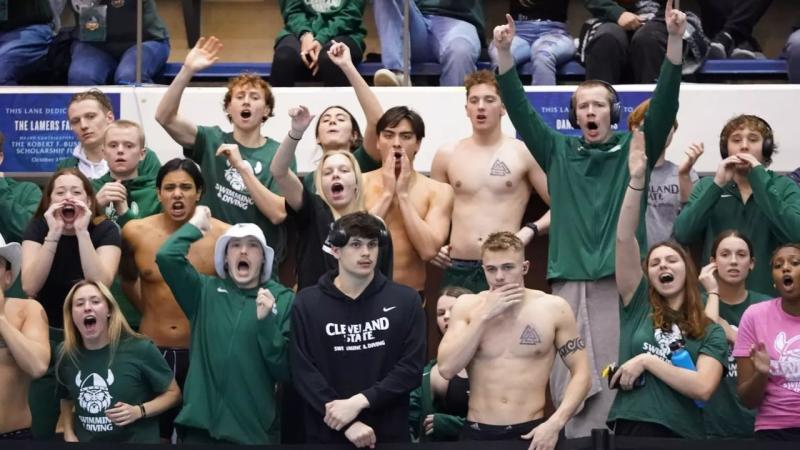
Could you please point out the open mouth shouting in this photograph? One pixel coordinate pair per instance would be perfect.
(666, 278)
(246, 114)
(243, 268)
(68, 212)
(787, 281)
(177, 209)
(90, 324)
(337, 189)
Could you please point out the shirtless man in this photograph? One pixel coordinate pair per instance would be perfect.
(492, 175)
(415, 208)
(24, 348)
(507, 338)
(180, 185)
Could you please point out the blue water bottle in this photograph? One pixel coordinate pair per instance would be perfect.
(681, 358)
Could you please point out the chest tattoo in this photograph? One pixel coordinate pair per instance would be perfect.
(499, 169)
(529, 336)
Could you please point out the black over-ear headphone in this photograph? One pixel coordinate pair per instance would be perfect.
(767, 147)
(616, 106)
(337, 237)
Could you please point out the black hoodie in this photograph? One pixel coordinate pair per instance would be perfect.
(373, 345)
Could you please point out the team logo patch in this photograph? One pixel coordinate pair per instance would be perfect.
(94, 395)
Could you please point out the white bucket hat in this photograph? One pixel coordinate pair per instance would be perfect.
(11, 252)
(241, 230)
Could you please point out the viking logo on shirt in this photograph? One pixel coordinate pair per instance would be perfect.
(663, 338)
(324, 6)
(788, 363)
(94, 396)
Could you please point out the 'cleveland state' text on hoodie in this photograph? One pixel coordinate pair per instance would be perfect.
(374, 345)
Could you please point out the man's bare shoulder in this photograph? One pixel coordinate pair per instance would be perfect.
(437, 187)
(466, 303)
(28, 309)
(518, 147)
(137, 228)
(543, 299)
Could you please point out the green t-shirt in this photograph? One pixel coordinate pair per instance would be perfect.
(225, 193)
(365, 164)
(137, 374)
(724, 416)
(656, 401)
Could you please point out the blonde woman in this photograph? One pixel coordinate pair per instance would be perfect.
(339, 191)
(113, 381)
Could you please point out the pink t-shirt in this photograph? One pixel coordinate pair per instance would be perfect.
(767, 322)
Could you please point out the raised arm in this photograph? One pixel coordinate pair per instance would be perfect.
(535, 133)
(427, 234)
(572, 350)
(182, 278)
(290, 185)
(29, 345)
(628, 258)
(663, 109)
(676, 27)
(686, 176)
(204, 54)
(468, 320)
(340, 55)
(270, 204)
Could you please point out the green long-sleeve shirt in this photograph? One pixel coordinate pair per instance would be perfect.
(142, 198)
(236, 359)
(587, 182)
(324, 20)
(446, 427)
(18, 202)
(770, 218)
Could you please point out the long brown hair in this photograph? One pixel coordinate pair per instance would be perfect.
(690, 318)
(44, 203)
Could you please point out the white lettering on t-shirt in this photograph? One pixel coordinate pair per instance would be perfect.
(788, 363)
(358, 336)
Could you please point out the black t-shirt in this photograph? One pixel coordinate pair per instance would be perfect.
(66, 269)
(314, 221)
(555, 10)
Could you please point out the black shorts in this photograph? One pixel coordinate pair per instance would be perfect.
(474, 431)
(177, 360)
(23, 434)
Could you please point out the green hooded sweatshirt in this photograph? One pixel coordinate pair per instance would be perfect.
(236, 359)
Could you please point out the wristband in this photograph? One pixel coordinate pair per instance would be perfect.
(636, 189)
(294, 138)
(533, 227)
(713, 293)
(142, 410)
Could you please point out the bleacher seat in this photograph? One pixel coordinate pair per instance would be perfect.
(734, 68)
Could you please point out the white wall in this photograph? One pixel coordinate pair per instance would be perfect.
(704, 109)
